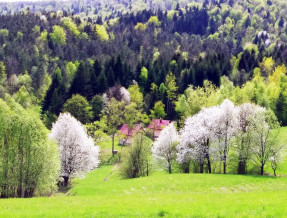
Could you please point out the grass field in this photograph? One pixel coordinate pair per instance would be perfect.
(104, 193)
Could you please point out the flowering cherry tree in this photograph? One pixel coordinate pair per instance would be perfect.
(225, 128)
(164, 147)
(242, 145)
(196, 137)
(78, 153)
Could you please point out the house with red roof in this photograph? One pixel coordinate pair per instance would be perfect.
(157, 125)
(127, 134)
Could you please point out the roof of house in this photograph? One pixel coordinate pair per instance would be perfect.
(126, 131)
(158, 124)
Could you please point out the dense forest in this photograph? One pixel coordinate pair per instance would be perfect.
(46, 57)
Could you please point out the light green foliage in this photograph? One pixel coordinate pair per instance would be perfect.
(58, 35)
(29, 161)
(170, 14)
(144, 74)
(79, 108)
(25, 80)
(171, 87)
(162, 90)
(132, 115)
(44, 36)
(137, 158)
(23, 97)
(70, 26)
(3, 75)
(135, 95)
(36, 29)
(154, 20)
(141, 26)
(19, 35)
(84, 36)
(158, 110)
(97, 131)
(196, 98)
(225, 28)
(71, 69)
(267, 66)
(226, 89)
(102, 33)
(4, 32)
(114, 113)
(156, 55)
(249, 47)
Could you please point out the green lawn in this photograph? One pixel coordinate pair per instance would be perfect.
(104, 193)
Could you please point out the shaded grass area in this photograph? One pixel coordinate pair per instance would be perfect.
(103, 193)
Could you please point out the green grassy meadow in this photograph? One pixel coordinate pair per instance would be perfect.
(104, 193)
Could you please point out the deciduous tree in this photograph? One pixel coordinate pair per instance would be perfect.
(78, 153)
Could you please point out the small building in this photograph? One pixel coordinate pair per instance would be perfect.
(157, 125)
(126, 134)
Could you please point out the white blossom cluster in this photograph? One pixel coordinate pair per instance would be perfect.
(209, 133)
(78, 153)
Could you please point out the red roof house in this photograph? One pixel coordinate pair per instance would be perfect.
(157, 125)
(128, 134)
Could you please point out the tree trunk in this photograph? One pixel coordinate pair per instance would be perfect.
(225, 155)
(185, 167)
(208, 163)
(224, 166)
(274, 172)
(262, 169)
(113, 146)
(147, 170)
(201, 167)
(66, 181)
(169, 168)
(241, 167)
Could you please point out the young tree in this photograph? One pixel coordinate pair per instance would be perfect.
(114, 112)
(164, 147)
(136, 162)
(264, 144)
(158, 110)
(78, 152)
(171, 90)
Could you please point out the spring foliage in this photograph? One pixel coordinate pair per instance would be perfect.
(29, 161)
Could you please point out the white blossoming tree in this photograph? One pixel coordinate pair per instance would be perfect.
(164, 147)
(242, 145)
(196, 137)
(225, 129)
(78, 153)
